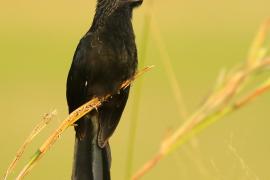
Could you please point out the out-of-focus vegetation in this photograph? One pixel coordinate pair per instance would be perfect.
(37, 44)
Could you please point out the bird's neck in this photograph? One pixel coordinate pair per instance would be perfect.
(116, 23)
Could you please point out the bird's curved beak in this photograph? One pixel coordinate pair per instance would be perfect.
(132, 3)
(135, 3)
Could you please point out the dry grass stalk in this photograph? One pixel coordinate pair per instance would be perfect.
(137, 97)
(69, 121)
(258, 41)
(46, 119)
(187, 128)
(220, 103)
(167, 63)
(254, 94)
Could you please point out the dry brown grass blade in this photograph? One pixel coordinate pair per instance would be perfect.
(187, 127)
(258, 42)
(147, 166)
(70, 120)
(220, 103)
(39, 127)
(250, 97)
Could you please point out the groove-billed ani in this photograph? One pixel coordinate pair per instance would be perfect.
(105, 57)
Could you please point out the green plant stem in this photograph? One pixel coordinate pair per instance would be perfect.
(137, 97)
(30, 165)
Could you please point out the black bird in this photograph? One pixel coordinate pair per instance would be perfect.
(105, 57)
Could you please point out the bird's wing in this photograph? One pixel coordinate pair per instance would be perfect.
(80, 81)
(76, 80)
(91, 75)
(109, 115)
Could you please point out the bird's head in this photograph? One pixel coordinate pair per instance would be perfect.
(112, 5)
(108, 9)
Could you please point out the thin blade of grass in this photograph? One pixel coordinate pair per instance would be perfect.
(255, 49)
(167, 63)
(38, 128)
(137, 99)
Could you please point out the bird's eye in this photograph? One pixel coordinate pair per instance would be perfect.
(132, 3)
(136, 3)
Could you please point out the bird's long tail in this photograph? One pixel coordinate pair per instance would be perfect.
(90, 161)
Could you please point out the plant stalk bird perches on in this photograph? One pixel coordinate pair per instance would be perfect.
(105, 57)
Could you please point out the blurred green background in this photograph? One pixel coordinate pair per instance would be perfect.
(37, 42)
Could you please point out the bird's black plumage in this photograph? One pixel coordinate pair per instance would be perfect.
(105, 57)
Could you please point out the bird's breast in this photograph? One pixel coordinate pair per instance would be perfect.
(110, 65)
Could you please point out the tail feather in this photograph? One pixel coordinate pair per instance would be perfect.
(90, 161)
